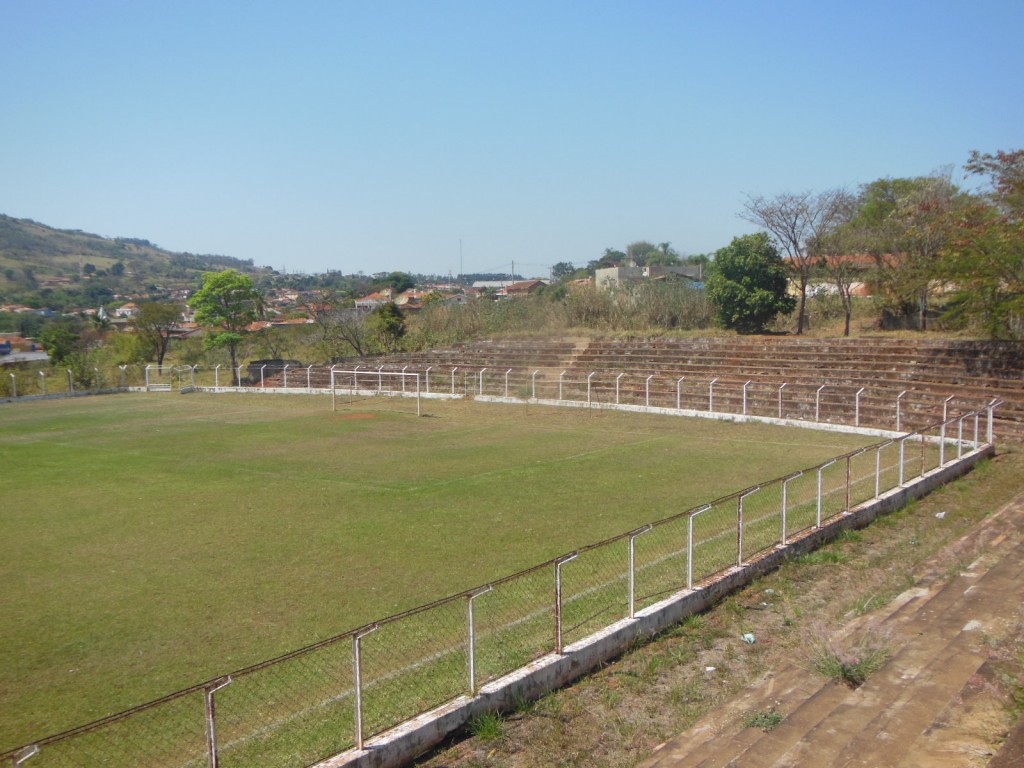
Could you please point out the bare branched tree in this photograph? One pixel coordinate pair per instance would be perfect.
(793, 221)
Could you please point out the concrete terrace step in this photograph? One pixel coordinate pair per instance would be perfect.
(907, 713)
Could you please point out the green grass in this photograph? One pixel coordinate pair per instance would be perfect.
(156, 541)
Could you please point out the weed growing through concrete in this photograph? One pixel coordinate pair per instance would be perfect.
(766, 720)
(851, 660)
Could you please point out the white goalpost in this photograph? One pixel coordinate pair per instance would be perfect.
(362, 384)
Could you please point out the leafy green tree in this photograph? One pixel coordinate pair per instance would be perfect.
(641, 251)
(399, 282)
(154, 324)
(388, 326)
(611, 258)
(985, 258)
(747, 284)
(563, 270)
(228, 302)
(61, 339)
(906, 226)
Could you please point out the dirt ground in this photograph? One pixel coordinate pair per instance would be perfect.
(616, 716)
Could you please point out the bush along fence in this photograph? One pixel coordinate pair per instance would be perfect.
(339, 697)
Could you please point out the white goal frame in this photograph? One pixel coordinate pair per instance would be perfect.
(349, 381)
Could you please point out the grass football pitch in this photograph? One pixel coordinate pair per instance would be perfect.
(155, 541)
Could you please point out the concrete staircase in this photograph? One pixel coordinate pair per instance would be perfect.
(930, 705)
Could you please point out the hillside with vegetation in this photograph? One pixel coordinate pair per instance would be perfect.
(45, 266)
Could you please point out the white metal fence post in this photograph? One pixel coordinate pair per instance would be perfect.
(711, 395)
(14, 385)
(211, 719)
(899, 399)
(357, 661)
(284, 373)
(821, 470)
(785, 505)
(647, 391)
(617, 380)
(480, 391)
(42, 379)
(309, 377)
(856, 417)
(902, 454)
(632, 568)
(780, 398)
(453, 378)
(690, 544)
(679, 384)
(472, 636)
(589, 377)
(533, 385)
(506, 381)
(747, 384)
(429, 368)
(817, 402)
(739, 523)
(558, 599)
(560, 376)
(262, 368)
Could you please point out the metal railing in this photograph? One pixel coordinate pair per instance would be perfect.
(332, 696)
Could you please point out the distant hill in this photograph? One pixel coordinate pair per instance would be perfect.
(34, 256)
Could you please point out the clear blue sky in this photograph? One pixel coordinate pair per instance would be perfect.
(373, 136)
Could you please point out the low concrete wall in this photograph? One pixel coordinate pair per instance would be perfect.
(402, 744)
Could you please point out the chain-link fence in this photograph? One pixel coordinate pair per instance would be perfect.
(333, 696)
